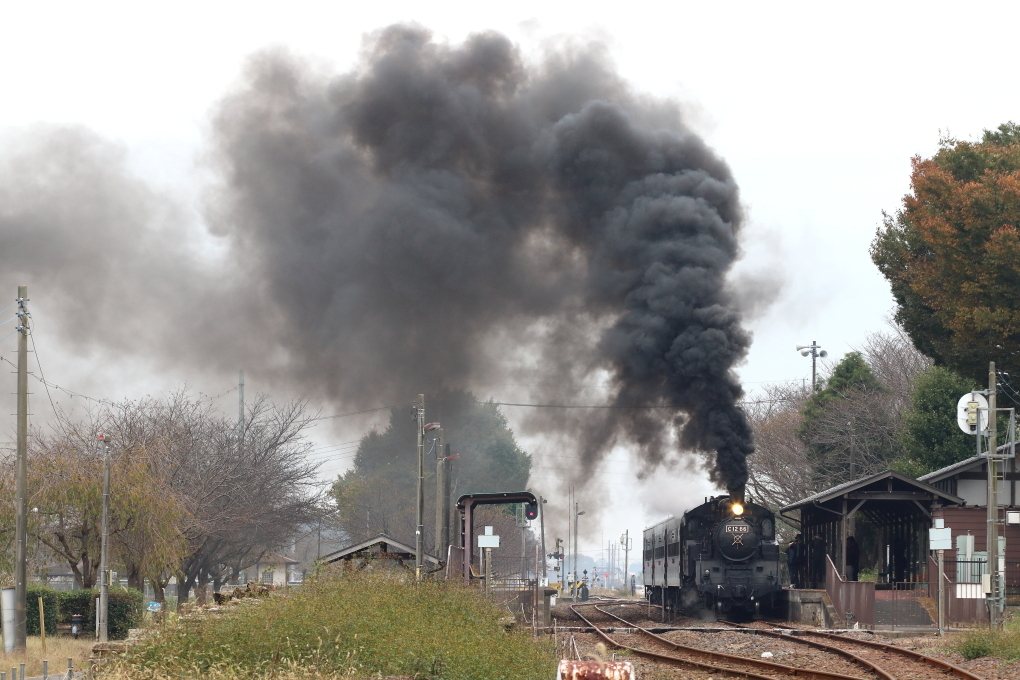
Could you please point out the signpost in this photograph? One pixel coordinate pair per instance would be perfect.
(488, 541)
(940, 539)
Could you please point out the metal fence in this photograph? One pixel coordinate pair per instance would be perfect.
(905, 605)
(516, 595)
(854, 601)
(963, 595)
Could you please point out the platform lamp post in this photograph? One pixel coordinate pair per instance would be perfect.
(813, 351)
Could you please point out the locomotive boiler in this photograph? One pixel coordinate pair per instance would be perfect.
(721, 556)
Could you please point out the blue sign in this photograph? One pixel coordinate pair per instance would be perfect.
(154, 606)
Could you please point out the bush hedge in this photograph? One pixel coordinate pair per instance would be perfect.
(60, 605)
(50, 609)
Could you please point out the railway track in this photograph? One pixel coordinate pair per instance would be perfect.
(705, 659)
(891, 656)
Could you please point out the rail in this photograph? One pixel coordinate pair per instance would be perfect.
(885, 647)
(718, 657)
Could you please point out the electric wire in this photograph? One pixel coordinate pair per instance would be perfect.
(8, 321)
(42, 376)
(614, 406)
(357, 413)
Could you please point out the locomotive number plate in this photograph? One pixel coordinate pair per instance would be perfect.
(737, 529)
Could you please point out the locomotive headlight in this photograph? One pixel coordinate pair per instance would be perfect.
(738, 509)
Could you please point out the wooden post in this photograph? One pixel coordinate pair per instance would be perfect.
(42, 624)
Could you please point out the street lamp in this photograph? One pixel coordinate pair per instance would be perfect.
(812, 350)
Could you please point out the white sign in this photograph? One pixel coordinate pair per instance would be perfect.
(940, 539)
(488, 541)
(963, 416)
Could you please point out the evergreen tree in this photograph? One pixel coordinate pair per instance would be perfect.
(930, 436)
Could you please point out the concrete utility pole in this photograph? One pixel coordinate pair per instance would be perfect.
(541, 523)
(419, 530)
(104, 555)
(814, 350)
(441, 502)
(577, 513)
(992, 533)
(240, 408)
(626, 554)
(21, 483)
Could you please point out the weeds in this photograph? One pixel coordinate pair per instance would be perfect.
(346, 627)
(1001, 643)
(58, 650)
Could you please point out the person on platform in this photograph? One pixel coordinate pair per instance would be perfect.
(795, 559)
(853, 558)
(817, 561)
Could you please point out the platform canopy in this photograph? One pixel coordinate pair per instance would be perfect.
(898, 505)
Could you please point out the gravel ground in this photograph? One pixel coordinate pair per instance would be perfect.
(783, 651)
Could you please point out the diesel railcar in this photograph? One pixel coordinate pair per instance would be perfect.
(721, 556)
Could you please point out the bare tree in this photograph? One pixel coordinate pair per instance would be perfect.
(780, 471)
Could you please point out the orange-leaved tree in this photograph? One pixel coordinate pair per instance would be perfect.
(952, 254)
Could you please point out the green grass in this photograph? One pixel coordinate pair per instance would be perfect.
(1004, 643)
(344, 627)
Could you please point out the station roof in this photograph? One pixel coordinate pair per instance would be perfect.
(886, 486)
(385, 544)
(950, 470)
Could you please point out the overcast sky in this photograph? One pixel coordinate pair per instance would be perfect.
(817, 107)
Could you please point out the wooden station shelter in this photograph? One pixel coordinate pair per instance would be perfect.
(899, 507)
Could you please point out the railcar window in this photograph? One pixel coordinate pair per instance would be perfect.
(766, 528)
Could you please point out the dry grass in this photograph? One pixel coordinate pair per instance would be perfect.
(58, 650)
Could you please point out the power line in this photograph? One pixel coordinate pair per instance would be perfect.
(357, 413)
(42, 376)
(613, 406)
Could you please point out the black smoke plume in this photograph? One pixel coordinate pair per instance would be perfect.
(454, 217)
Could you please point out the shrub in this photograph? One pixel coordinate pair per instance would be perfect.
(976, 644)
(1002, 643)
(50, 609)
(72, 602)
(125, 609)
(365, 624)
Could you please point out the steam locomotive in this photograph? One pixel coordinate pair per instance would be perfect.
(721, 556)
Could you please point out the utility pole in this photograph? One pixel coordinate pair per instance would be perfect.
(441, 525)
(104, 555)
(21, 490)
(419, 561)
(626, 555)
(992, 533)
(812, 350)
(577, 513)
(240, 409)
(541, 524)
(853, 442)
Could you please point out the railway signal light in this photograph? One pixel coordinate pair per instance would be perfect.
(531, 510)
